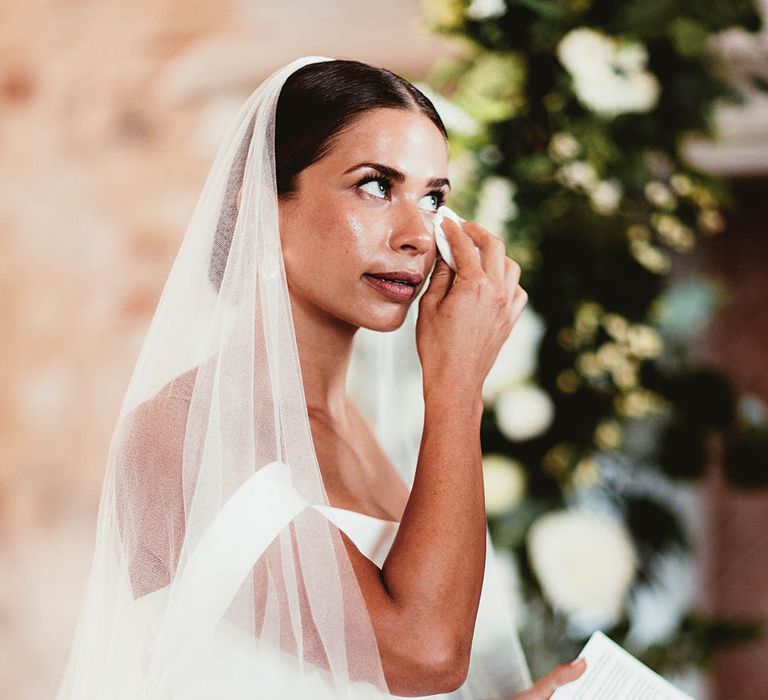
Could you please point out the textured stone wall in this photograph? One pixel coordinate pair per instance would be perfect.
(110, 114)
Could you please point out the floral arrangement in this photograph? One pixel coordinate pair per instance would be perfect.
(566, 119)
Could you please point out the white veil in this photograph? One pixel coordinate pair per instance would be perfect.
(214, 575)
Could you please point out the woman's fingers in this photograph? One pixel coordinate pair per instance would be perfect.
(463, 250)
(519, 300)
(493, 261)
(512, 271)
(493, 252)
(440, 282)
(543, 688)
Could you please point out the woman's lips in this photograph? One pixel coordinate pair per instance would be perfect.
(392, 290)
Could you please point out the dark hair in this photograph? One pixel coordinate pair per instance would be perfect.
(317, 103)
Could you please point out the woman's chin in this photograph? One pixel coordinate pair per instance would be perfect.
(385, 320)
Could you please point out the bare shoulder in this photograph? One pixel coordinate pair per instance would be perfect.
(155, 428)
(148, 486)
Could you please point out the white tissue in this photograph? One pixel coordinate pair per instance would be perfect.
(442, 242)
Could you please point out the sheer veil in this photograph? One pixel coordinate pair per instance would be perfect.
(214, 574)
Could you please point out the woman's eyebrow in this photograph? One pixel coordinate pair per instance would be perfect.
(396, 175)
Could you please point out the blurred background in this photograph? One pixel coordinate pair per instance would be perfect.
(620, 148)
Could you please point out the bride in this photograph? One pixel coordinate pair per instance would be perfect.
(270, 525)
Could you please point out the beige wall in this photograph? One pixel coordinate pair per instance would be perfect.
(110, 113)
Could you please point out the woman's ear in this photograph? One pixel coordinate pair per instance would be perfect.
(239, 196)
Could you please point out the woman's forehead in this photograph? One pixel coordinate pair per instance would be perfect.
(404, 139)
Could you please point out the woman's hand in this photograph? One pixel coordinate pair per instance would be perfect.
(465, 317)
(543, 688)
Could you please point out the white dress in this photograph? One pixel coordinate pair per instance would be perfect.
(372, 536)
(158, 630)
(498, 668)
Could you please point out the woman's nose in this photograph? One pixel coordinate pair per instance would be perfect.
(413, 231)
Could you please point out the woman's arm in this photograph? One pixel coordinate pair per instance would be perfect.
(424, 601)
(435, 565)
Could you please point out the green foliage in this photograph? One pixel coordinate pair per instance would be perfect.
(491, 87)
(697, 640)
(582, 105)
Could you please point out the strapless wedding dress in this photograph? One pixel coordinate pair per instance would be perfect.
(236, 667)
(372, 536)
(498, 668)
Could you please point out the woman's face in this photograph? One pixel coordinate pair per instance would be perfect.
(349, 219)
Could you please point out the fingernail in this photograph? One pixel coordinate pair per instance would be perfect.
(578, 661)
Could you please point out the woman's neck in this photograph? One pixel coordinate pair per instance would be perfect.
(325, 346)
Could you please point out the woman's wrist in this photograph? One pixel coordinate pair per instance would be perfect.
(450, 399)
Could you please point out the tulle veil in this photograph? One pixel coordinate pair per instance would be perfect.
(214, 575)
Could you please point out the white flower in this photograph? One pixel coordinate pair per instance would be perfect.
(563, 146)
(456, 119)
(644, 340)
(681, 184)
(711, 221)
(606, 195)
(503, 481)
(516, 359)
(616, 95)
(585, 51)
(658, 193)
(523, 412)
(486, 9)
(496, 205)
(578, 173)
(585, 563)
(609, 75)
(630, 57)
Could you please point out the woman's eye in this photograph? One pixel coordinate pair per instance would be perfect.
(436, 202)
(377, 187)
